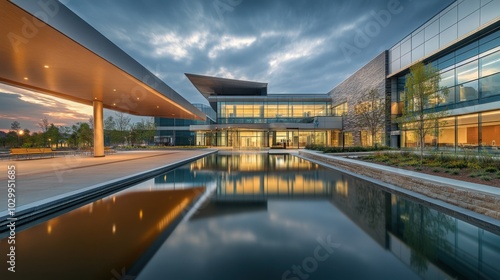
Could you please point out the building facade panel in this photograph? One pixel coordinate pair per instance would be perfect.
(354, 90)
(459, 20)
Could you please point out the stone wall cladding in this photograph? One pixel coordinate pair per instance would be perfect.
(479, 202)
(353, 89)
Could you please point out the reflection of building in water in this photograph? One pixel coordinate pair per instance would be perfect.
(459, 248)
(433, 244)
(108, 234)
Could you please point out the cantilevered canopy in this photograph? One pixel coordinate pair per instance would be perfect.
(209, 86)
(65, 57)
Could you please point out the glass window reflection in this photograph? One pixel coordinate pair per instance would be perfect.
(467, 72)
(490, 64)
(490, 85)
(468, 91)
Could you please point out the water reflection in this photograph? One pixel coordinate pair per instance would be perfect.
(106, 235)
(264, 218)
(258, 224)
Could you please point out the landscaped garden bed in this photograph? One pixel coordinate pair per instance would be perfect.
(482, 169)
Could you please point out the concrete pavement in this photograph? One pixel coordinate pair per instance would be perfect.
(49, 180)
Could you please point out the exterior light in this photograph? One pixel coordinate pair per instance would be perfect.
(21, 132)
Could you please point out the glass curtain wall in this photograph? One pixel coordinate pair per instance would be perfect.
(471, 76)
(270, 112)
(471, 132)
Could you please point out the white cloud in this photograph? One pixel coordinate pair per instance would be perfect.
(177, 45)
(305, 48)
(230, 42)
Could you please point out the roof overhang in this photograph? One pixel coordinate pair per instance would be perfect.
(214, 86)
(45, 47)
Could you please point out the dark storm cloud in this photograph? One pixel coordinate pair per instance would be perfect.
(297, 46)
(294, 45)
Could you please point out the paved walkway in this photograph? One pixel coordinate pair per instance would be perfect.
(43, 179)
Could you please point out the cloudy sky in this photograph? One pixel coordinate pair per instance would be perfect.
(297, 46)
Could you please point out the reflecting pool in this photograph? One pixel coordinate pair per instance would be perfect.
(254, 216)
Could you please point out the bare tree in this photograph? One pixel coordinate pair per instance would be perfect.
(122, 121)
(91, 123)
(15, 126)
(44, 125)
(370, 114)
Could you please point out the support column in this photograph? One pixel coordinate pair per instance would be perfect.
(98, 129)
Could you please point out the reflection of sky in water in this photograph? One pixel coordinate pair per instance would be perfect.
(264, 244)
(264, 217)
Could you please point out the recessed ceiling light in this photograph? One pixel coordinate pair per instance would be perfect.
(114, 104)
(137, 98)
(26, 78)
(114, 89)
(157, 107)
(45, 66)
(95, 98)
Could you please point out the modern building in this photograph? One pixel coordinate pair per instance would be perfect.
(243, 115)
(175, 131)
(462, 41)
(249, 117)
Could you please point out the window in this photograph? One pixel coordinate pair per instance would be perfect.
(467, 72)
(490, 85)
(468, 91)
(490, 64)
(340, 110)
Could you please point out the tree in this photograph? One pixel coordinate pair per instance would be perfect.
(91, 123)
(419, 112)
(370, 114)
(122, 121)
(44, 125)
(85, 135)
(143, 131)
(54, 134)
(15, 126)
(109, 123)
(65, 132)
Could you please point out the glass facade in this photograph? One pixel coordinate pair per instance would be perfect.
(271, 121)
(450, 25)
(470, 75)
(252, 112)
(173, 131)
(470, 132)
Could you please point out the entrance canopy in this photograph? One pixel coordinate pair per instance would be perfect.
(45, 47)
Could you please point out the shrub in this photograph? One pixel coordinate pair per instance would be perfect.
(485, 178)
(491, 169)
(456, 164)
(473, 165)
(436, 170)
(476, 174)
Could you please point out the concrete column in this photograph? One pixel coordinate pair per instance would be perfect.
(98, 129)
